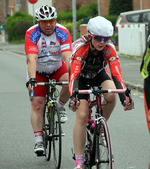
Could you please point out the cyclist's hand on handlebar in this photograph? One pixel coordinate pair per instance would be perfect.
(73, 104)
(31, 83)
(127, 104)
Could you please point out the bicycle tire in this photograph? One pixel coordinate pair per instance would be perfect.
(87, 151)
(57, 137)
(46, 132)
(104, 157)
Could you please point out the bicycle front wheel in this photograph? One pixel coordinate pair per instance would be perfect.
(57, 139)
(104, 158)
(46, 132)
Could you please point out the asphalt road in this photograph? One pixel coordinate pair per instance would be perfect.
(129, 134)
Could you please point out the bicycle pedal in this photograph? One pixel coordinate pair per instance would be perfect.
(40, 154)
(49, 137)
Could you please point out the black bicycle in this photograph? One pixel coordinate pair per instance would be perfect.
(52, 131)
(98, 151)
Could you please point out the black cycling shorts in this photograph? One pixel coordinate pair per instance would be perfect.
(85, 84)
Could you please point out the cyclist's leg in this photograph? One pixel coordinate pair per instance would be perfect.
(37, 105)
(79, 131)
(37, 108)
(64, 94)
(62, 75)
(110, 99)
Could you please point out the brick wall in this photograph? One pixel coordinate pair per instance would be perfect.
(1, 12)
(145, 4)
(24, 6)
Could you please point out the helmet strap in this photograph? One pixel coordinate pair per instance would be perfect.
(92, 46)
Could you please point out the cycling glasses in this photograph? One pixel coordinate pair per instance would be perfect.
(45, 22)
(100, 38)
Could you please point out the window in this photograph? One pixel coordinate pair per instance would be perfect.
(133, 18)
(146, 17)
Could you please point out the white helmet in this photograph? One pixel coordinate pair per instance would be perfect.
(45, 13)
(100, 26)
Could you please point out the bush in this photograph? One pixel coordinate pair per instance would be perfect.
(118, 6)
(69, 26)
(87, 11)
(17, 25)
(65, 16)
(112, 18)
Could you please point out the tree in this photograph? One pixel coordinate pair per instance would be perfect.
(118, 6)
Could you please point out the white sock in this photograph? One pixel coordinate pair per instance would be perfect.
(38, 136)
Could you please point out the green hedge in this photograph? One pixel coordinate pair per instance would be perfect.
(118, 6)
(17, 25)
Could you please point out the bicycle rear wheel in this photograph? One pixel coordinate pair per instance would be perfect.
(104, 156)
(46, 133)
(57, 138)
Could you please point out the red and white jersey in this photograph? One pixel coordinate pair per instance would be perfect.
(80, 66)
(48, 48)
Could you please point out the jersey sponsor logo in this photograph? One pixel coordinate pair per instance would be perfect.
(52, 43)
(44, 52)
(54, 53)
(79, 58)
(43, 43)
(35, 35)
(112, 58)
(32, 48)
(61, 35)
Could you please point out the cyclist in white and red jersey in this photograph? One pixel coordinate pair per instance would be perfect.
(48, 48)
(87, 66)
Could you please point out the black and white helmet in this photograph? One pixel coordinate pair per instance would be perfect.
(45, 13)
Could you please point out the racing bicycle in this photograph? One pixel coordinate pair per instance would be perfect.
(52, 131)
(98, 150)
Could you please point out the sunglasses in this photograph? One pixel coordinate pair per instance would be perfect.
(45, 22)
(100, 38)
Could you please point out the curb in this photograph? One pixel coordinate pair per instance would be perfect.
(134, 86)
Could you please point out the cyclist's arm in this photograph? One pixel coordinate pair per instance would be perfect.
(115, 70)
(74, 72)
(31, 50)
(32, 59)
(66, 55)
